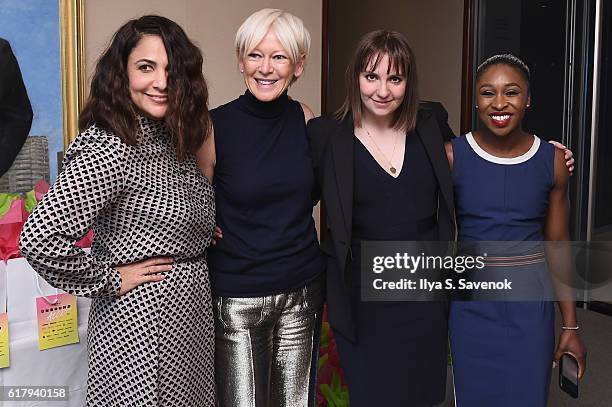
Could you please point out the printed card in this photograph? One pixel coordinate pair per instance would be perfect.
(4, 341)
(57, 321)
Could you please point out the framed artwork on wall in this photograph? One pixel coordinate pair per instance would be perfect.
(47, 40)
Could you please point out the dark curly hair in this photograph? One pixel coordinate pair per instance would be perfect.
(367, 55)
(109, 104)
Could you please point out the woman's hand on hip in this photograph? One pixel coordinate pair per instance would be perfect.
(145, 271)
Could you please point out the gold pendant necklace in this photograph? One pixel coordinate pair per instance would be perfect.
(392, 169)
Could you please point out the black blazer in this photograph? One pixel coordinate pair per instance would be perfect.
(15, 108)
(332, 153)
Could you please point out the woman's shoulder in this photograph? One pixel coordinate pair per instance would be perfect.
(308, 113)
(224, 109)
(97, 141)
(323, 124)
(320, 131)
(432, 107)
(435, 111)
(96, 135)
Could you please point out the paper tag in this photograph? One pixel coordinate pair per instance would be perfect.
(57, 321)
(4, 341)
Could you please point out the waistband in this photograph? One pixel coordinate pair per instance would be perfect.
(510, 261)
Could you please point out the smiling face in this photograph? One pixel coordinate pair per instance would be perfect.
(147, 73)
(382, 90)
(502, 97)
(267, 69)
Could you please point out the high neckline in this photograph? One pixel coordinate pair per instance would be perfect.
(261, 109)
(152, 128)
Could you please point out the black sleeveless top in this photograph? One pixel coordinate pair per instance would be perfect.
(264, 193)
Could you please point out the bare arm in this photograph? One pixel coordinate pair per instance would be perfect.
(206, 156)
(448, 146)
(308, 114)
(556, 232)
(569, 155)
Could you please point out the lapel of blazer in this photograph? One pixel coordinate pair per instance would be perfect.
(342, 149)
(429, 133)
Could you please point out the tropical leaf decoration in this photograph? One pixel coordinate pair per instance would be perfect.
(332, 390)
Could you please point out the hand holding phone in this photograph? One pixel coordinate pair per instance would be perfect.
(568, 375)
(571, 343)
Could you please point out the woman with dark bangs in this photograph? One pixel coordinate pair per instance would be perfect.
(130, 174)
(384, 176)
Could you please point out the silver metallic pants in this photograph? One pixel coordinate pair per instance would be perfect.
(267, 347)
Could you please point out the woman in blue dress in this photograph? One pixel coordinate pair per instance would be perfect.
(509, 186)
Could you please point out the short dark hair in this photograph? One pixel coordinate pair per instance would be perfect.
(505, 59)
(109, 104)
(368, 53)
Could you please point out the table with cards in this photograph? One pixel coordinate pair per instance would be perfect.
(24, 295)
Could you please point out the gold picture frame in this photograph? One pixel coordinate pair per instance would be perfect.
(72, 51)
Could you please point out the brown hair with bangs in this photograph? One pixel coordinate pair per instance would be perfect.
(368, 54)
(110, 106)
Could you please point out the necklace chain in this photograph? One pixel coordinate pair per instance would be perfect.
(392, 169)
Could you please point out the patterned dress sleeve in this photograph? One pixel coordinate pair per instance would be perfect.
(92, 178)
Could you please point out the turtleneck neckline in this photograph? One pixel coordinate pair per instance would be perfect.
(147, 121)
(152, 128)
(258, 108)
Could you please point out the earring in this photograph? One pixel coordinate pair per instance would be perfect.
(528, 105)
(242, 71)
(476, 106)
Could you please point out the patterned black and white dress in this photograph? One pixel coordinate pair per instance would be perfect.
(153, 346)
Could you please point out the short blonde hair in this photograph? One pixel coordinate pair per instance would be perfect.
(288, 28)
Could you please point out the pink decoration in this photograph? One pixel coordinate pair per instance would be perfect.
(10, 228)
(331, 384)
(40, 189)
(12, 223)
(86, 240)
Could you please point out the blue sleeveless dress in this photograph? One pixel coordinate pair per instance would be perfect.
(502, 351)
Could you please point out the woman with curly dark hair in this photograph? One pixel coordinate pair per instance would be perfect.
(130, 174)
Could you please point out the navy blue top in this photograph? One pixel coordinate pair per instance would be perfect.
(502, 199)
(264, 184)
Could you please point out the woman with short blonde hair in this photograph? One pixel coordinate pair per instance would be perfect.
(266, 268)
(288, 28)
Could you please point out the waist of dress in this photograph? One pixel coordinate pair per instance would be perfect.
(178, 259)
(512, 261)
(200, 258)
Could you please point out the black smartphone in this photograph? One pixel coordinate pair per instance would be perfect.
(568, 375)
